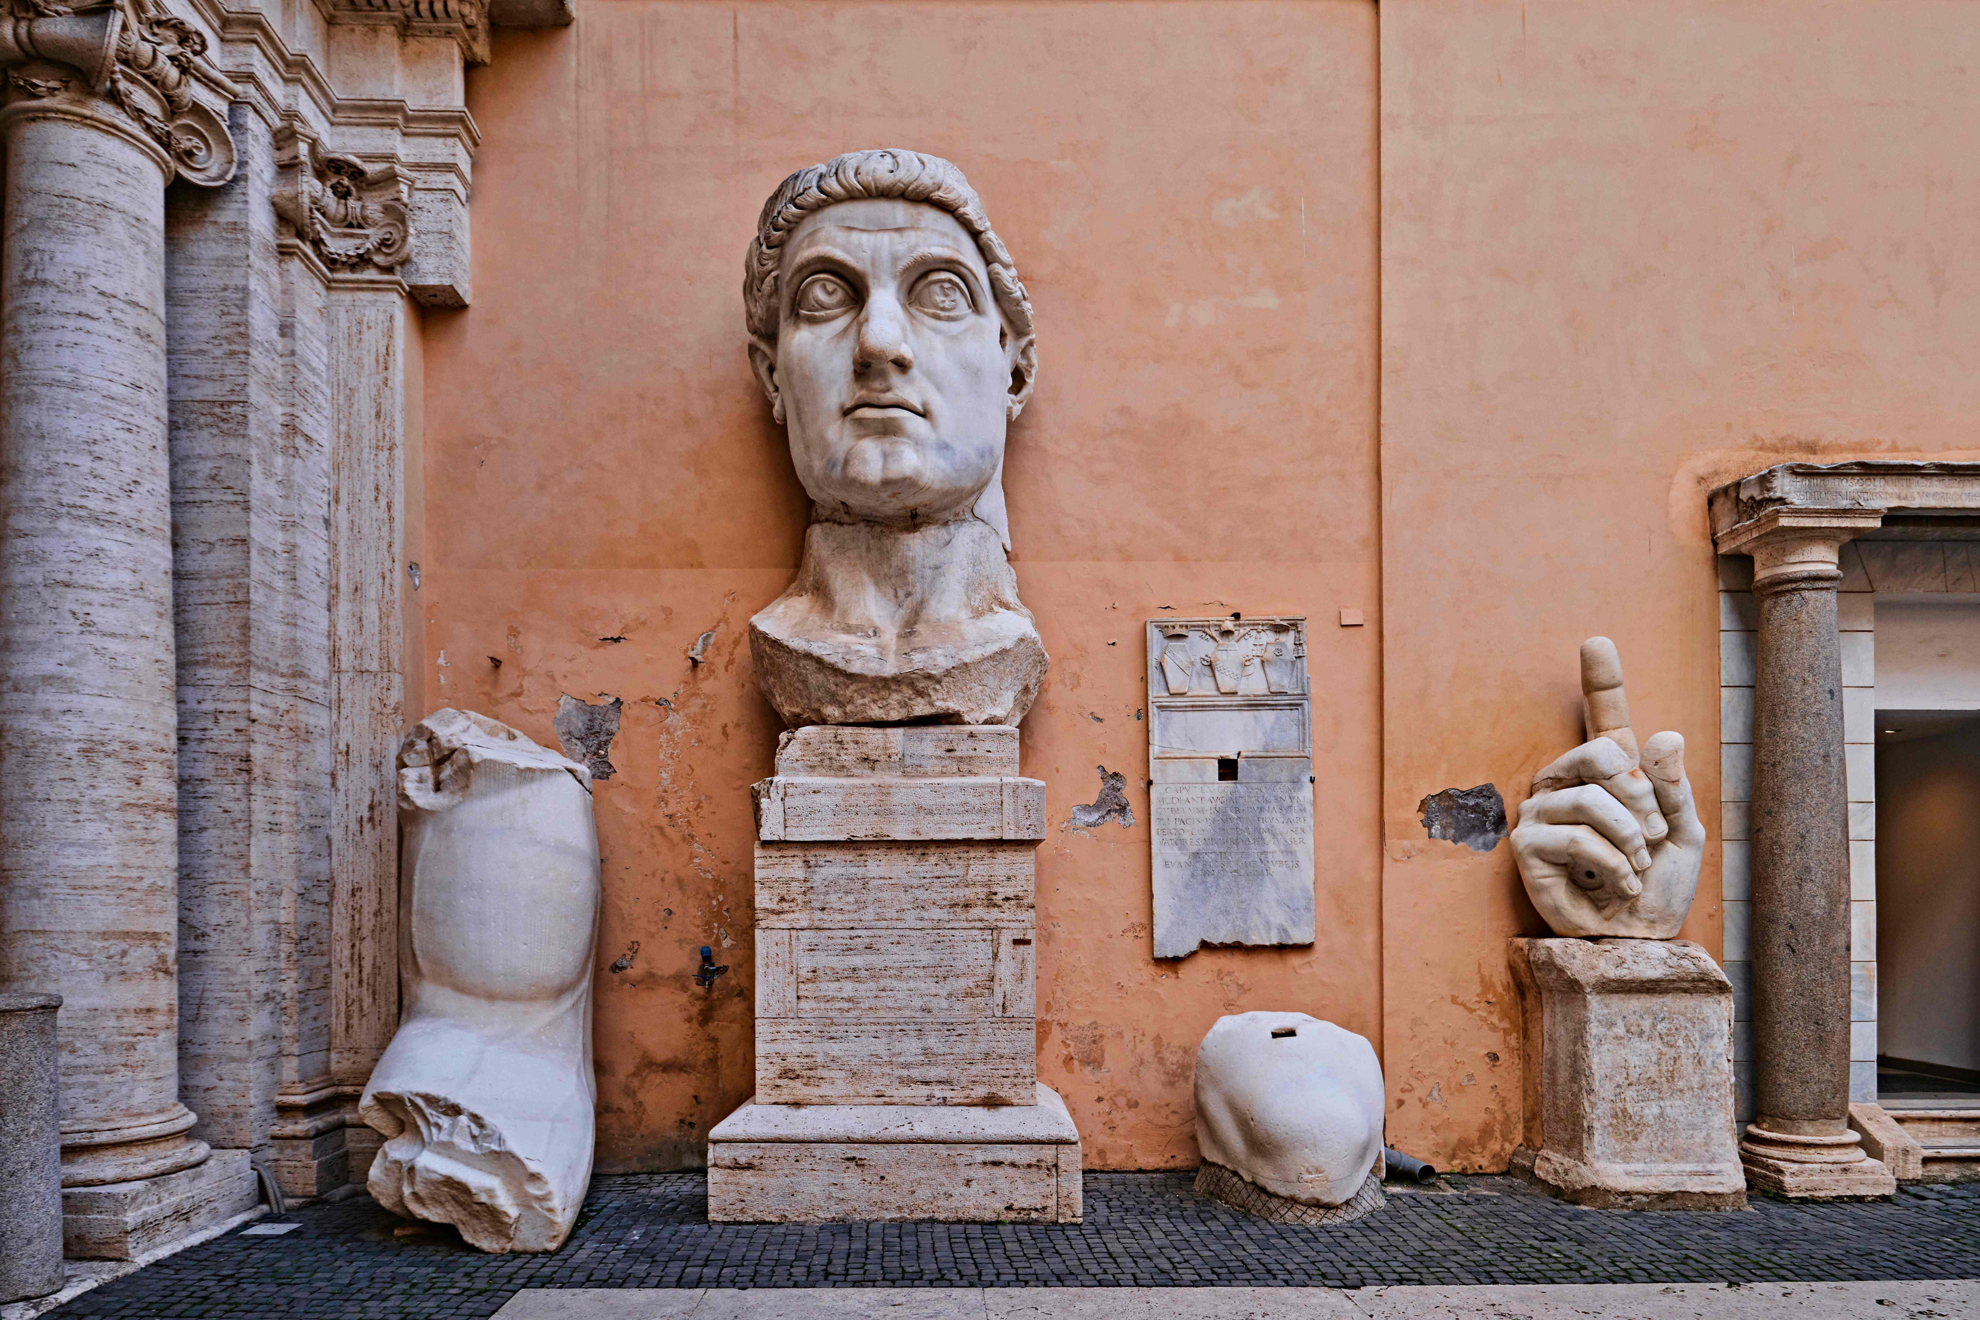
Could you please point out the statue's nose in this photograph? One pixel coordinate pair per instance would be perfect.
(883, 336)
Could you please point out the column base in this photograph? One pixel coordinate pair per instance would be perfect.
(1816, 1168)
(122, 1221)
(1011, 1164)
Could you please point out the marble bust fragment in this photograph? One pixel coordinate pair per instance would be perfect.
(1609, 842)
(486, 1095)
(894, 341)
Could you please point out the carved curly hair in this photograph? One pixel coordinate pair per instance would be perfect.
(883, 173)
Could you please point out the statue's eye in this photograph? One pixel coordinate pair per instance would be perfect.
(943, 295)
(824, 295)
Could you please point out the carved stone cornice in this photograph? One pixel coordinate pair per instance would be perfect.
(466, 21)
(133, 54)
(352, 218)
(1912, 498)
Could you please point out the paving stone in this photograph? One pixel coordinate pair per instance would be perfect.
(1142, 1229)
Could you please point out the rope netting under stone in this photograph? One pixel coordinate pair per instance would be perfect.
(1220, 1184)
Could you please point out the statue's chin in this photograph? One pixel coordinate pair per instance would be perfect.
(891, 479)
(898, 499)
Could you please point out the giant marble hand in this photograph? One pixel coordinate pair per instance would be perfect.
(1609, 842)
(894, 342)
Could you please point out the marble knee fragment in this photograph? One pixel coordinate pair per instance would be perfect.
(1290, 1104)
(485, 1096)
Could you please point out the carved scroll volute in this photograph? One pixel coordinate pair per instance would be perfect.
(142, 59)
(353, 218)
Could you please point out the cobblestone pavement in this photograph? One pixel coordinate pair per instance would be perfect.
(352, 1259)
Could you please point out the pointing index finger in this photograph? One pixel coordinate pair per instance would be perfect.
(1606, 709)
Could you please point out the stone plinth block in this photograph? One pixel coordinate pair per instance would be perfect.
(1628, 1074)
(895, 965)
(122, 1221)
(820, 1163)
(837, 783)
(30, 1148)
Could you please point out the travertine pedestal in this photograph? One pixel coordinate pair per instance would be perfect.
(1628, 1074)
(896, 1056)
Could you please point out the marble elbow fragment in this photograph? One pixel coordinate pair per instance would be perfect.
(486, 1095)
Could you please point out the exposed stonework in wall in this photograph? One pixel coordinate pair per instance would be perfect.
(586, 729)
(1474, 817)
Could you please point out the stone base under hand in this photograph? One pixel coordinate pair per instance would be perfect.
(1221, 1184)
(1628, 1074)
(1818, 1168)
(1632, 1187)
(122, 1221)
(831, 1163)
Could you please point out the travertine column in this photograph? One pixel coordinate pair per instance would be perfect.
(89, 858)
(1801, 1143)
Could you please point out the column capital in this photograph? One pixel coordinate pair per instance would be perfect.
(1797, 547)
(129, 66)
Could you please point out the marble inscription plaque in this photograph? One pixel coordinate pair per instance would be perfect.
(1230, 765)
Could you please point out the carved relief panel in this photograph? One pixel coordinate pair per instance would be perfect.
(1230, 769)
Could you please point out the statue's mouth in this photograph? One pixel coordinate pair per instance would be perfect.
(877, 404)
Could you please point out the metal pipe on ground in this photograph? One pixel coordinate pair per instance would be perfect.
(1406, 1168)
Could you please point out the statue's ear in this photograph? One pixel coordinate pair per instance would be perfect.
(1023, 357)
(763, 361)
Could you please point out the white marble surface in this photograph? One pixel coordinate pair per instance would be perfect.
(1609, 841)
(894, 342)
(1290, 1103)
(1230, 769)
(485, 1096)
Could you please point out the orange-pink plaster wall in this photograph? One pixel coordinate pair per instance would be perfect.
(1189, 191)
(1611, 255)
(1629, 251)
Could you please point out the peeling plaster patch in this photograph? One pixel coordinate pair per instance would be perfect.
(1474, 817)
(625, 960)
(586, 731)
(1112, 804)
(412, 571)
(699, 651)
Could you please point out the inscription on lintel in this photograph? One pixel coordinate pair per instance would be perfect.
(1230, 765)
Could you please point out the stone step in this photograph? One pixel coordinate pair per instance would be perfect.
(1948, 1138)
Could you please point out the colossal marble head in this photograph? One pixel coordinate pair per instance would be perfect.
(890, 331)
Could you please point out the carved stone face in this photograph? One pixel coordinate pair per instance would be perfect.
(892, 365)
